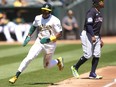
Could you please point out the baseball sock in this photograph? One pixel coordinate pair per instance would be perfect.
(95, 61)
(18, 73)
(80, 62)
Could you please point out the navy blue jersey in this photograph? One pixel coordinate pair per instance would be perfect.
(93, 21)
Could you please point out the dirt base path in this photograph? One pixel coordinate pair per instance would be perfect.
(109, 79)
(106, 40)
(108, 73)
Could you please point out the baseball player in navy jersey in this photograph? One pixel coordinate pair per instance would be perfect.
(49, 31)
(91, 40)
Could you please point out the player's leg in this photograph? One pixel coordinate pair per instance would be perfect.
(48, 61)
(93, 74)
(34, 51)
(95, 60)
(87, 48)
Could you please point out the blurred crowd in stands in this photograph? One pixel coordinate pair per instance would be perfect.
(20, 3)
(17, 28)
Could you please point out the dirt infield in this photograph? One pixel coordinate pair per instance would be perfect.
(106, 40)
(109, 79)
(109, 73)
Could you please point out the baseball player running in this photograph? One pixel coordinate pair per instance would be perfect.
(49, 31)
(91, 40)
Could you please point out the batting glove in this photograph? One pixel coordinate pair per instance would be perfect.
(28, 38)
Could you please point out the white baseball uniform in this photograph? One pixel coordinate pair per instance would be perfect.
(89, 47)
(47, 27)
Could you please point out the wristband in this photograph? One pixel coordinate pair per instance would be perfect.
(53, 38)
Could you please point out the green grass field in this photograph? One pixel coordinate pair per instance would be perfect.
(35, 75)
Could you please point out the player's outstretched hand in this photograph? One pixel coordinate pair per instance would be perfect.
(28, 38)
(45, 40)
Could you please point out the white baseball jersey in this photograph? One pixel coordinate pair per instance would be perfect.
(47, 27)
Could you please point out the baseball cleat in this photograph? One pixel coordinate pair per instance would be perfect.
(94, 76)
(74, 72)
(60, 63)
(13, 80)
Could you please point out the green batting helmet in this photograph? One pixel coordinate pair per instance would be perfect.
(47, 7)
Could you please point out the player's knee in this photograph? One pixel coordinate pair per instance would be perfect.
(88, 55)
(96, 56)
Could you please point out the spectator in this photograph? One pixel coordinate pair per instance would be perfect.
(69, 24)
(5, 26)
(20, 3)
(1, 16)
(1, 28)
(3, 2)
(13, 31)
(22, 27)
